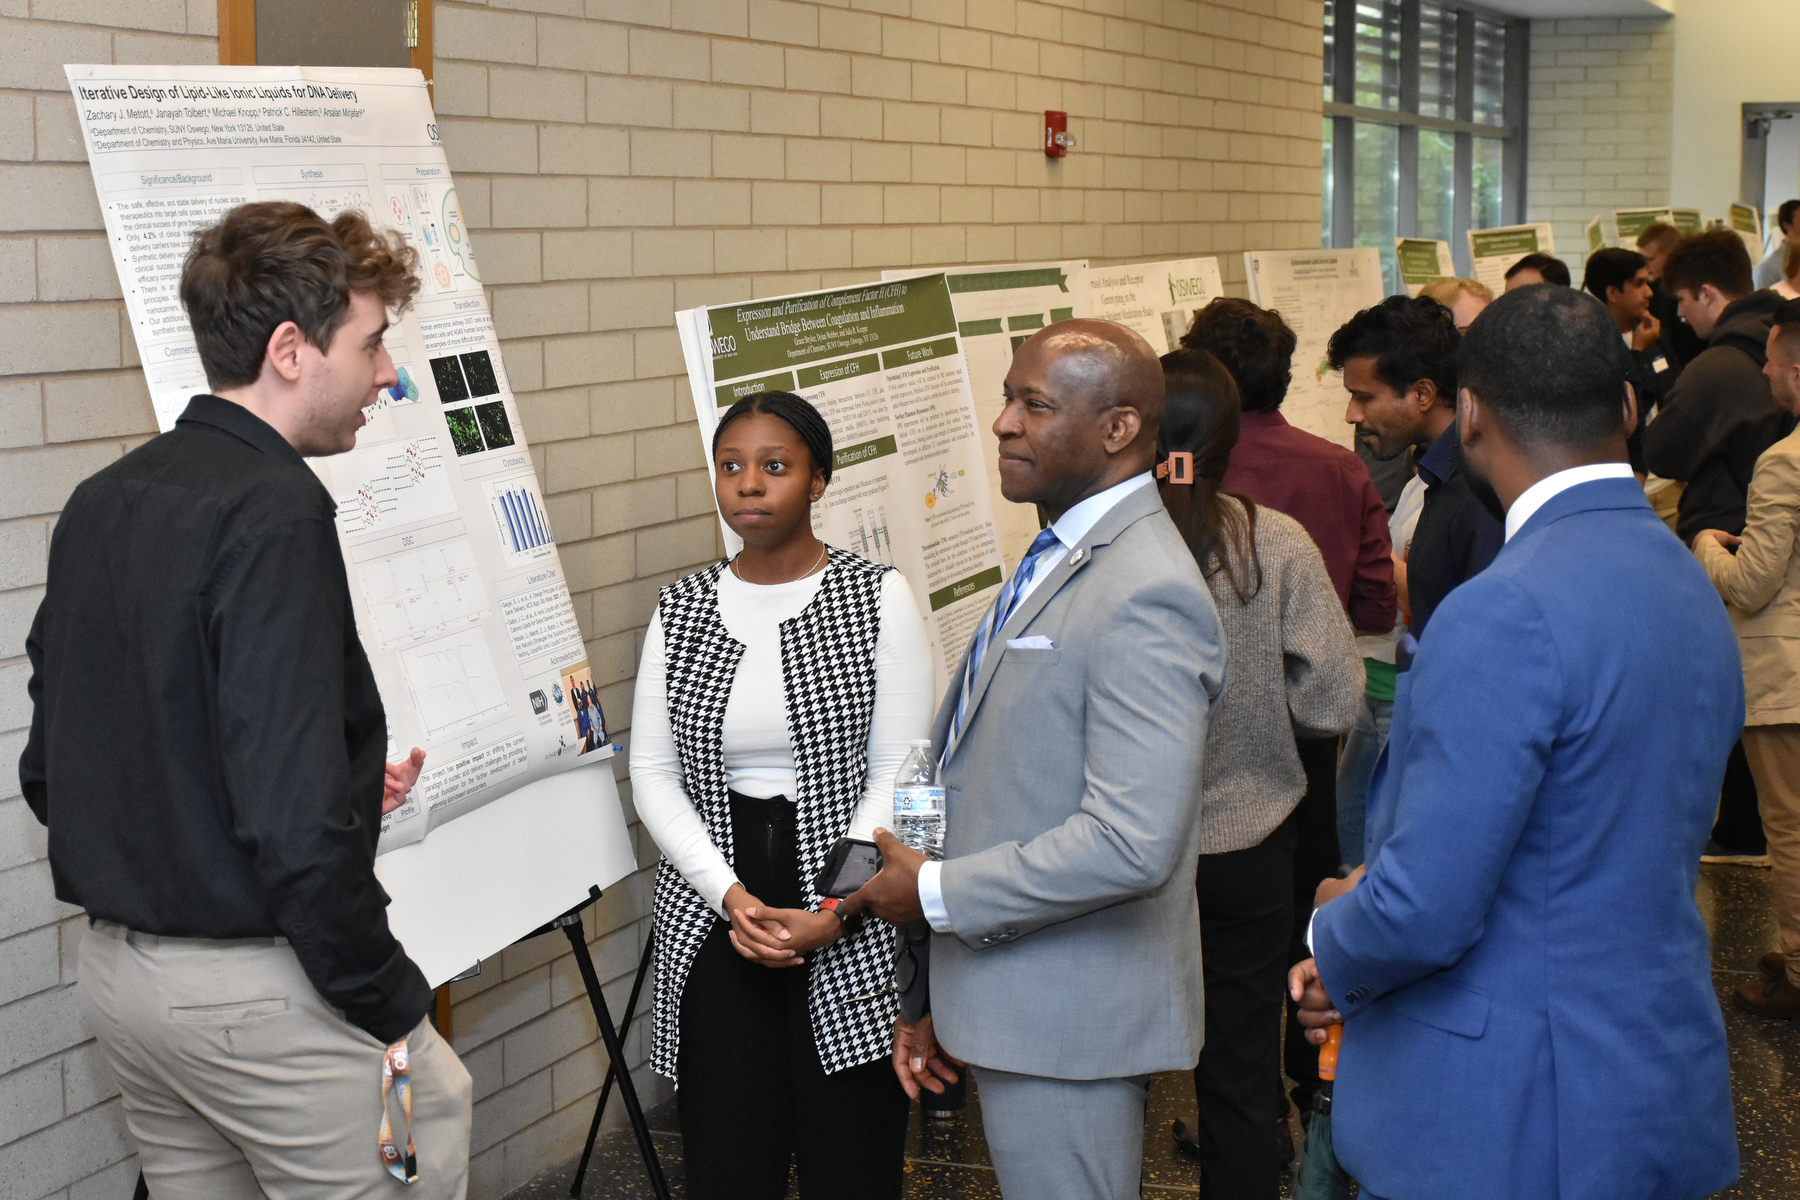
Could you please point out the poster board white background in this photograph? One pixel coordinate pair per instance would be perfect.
(332, 137)
(481, 882)
(998, 305)
(1315, 291)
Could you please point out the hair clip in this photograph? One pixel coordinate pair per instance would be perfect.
(1177, 468)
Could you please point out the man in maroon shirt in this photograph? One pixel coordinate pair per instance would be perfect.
(1326, 488)
(1320, 484)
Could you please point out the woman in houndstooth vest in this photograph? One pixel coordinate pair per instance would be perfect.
(776, 698)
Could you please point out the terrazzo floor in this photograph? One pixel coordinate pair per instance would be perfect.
(949, 1161)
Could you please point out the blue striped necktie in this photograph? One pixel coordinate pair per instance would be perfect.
(1004, 603)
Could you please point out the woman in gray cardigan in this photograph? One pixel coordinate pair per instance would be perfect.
(1292, 667)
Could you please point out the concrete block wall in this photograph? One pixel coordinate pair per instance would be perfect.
(1600, 112)
(617, 160)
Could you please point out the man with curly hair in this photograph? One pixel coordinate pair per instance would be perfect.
(238, 971)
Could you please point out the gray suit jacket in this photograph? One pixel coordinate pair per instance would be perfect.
(1074, 817)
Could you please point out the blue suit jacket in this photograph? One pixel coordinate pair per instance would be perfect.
(1529, 1009)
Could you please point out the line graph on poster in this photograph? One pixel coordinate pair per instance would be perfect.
(414, 596)
(383, 486)
(453, 682)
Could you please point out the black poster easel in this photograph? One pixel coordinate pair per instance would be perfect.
(570, 924)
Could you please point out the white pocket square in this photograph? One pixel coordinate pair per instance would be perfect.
(1036, 641)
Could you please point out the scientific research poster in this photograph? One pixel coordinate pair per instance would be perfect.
(884, 363)
(1316, 291)
(1157, 299)
(1596, 233)
(1746, 222)
(1633, 221)
(1422, 262)
(459, 595)
(998, 307)
(1492, 252)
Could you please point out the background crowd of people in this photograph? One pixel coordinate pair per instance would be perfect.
(1424, 739)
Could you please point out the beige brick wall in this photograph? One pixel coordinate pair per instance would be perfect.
(1601, 105)
(618, 159)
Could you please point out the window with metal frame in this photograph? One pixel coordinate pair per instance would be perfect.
(1424, 124)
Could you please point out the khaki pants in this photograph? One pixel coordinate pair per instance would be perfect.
(1774, 754)
(239, 1081)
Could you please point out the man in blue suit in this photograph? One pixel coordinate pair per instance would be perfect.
(1522, 975)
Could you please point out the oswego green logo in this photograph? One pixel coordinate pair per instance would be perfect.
(1186, 289)
(724, 347)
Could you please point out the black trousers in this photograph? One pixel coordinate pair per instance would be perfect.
(1739, 826)
(1246, 918)
(1315, 858)
(753, 1095)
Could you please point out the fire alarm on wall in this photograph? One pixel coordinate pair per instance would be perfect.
(1057, 142)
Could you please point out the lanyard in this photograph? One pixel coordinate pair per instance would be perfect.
(396, 1073)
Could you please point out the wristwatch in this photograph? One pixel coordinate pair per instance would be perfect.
(834, 906)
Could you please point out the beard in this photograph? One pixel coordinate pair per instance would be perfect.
(1383, 447)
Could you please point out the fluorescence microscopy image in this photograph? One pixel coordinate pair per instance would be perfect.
(465, 434)
(447, 372)
(479, 370)
(496, 430)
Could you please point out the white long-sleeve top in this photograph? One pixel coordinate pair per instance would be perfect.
(758, 749)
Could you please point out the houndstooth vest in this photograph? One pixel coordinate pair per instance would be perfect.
(828, 669)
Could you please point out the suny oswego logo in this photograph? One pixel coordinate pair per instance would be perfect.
(1186, 291)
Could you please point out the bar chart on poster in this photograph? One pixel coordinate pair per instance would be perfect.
(453, 571)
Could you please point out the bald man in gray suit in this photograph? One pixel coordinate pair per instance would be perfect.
(1064, 963)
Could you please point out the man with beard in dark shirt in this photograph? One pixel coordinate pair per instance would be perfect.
(1399, 365)
(239, 972)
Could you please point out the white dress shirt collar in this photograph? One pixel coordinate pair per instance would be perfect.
(1539, 493)
(1073, 525)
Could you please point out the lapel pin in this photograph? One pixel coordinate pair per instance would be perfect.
(1075, 558)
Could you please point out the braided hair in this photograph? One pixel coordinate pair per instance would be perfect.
(800, 416)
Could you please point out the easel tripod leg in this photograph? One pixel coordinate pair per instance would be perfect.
(615, 1052)
(612, 1067)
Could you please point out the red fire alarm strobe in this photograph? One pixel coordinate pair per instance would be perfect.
(1057, 142)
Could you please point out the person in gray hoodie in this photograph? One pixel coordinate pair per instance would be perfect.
(1718, 417)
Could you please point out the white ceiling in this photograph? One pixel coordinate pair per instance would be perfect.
(1581, 8)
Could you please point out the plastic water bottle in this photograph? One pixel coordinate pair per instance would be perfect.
(919, 802)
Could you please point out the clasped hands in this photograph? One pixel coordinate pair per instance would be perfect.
(781, 937)
(1316, 1009)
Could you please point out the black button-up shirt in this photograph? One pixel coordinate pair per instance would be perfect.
(1456, 537)
(207, 744)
